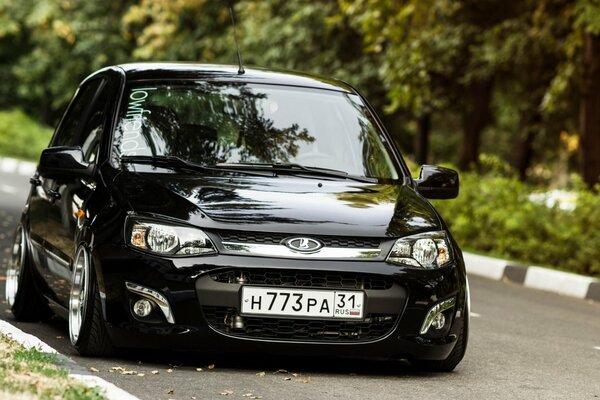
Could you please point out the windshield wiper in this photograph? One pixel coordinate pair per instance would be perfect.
(173, 161)
(298, 168)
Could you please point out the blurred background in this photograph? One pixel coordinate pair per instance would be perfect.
(508, 92)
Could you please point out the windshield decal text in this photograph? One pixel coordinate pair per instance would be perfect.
(132, 126)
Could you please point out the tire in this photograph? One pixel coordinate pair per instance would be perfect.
(21, 294)
(455, 356)
(87, 329)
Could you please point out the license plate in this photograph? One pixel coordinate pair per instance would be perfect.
(302, 302)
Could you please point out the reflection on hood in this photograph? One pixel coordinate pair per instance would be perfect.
(280, 204)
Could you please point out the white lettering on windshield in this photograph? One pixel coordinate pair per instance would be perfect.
(132, 125)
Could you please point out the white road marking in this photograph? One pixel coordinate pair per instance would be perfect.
(26, 168)
(28, 341)
(7, 189)
(14, 166)
(558, 281)
(8, 165)
(475, 315)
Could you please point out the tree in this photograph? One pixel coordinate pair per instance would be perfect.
(576, 85)
(589, 114)
(57, 45)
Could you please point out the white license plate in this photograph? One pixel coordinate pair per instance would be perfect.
(302, 302)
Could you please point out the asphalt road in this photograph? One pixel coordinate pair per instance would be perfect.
(524, 344)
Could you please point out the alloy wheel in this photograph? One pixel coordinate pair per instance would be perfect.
(14, 268)
(79, 293)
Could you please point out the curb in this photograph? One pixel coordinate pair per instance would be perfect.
(76, 372)
(563, 283)
(19, 167)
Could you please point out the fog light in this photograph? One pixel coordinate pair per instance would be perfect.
(438, 321)
(435, 316)
(142, 308)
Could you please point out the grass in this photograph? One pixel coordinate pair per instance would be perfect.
(31, 374)
(21, 136)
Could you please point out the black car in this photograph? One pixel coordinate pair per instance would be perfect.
(195, 207)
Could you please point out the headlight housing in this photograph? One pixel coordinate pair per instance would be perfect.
(166, 239)
(426, 250)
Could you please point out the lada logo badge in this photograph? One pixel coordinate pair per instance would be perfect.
(303, 244)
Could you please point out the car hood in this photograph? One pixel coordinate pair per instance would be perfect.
(290, 204)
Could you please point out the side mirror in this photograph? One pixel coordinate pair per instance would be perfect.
(437, 182)
(64, 162)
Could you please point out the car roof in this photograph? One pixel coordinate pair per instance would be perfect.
(189, 71)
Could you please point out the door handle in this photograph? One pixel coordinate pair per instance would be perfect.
(53, 194)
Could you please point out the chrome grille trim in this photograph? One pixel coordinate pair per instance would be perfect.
(278, 250)
(254, 237)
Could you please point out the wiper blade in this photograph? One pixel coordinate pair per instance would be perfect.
(299, 168)
(173, 161)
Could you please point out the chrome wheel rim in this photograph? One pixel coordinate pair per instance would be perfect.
(79, 293)
(14, 268)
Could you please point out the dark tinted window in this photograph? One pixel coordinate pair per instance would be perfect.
(71, 125)
(250, 123)
(89, 138)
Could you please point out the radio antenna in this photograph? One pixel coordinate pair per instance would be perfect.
(237, 46)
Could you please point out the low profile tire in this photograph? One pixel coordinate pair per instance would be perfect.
(87, 329)
(21, 295)
(454, 358)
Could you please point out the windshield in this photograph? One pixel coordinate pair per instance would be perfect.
(238, 123)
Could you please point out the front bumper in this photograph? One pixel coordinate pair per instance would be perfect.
(201, 304)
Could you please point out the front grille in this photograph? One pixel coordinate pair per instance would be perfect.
(374, 326)
(276, 238)
(316, 279)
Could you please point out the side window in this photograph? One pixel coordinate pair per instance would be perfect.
(89, 139)
(70, 126)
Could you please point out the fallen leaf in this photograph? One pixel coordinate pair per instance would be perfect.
(211, 366)
(305, 380)
(94, 369)
(226, 392)
(261, 374)
(287, 378)
(170, 370)
(140, 374)
(295, 375)
(280, 371)
(155, 372)
(199, 369)
(171, 391)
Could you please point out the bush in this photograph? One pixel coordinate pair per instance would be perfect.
(494, 214)
(21, 136)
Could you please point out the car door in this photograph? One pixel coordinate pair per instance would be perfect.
(56, 202)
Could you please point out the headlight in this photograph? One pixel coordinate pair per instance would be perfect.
(425, 250)
(168, 239)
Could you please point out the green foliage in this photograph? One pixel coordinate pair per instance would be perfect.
(21, 136)
(494, 214)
